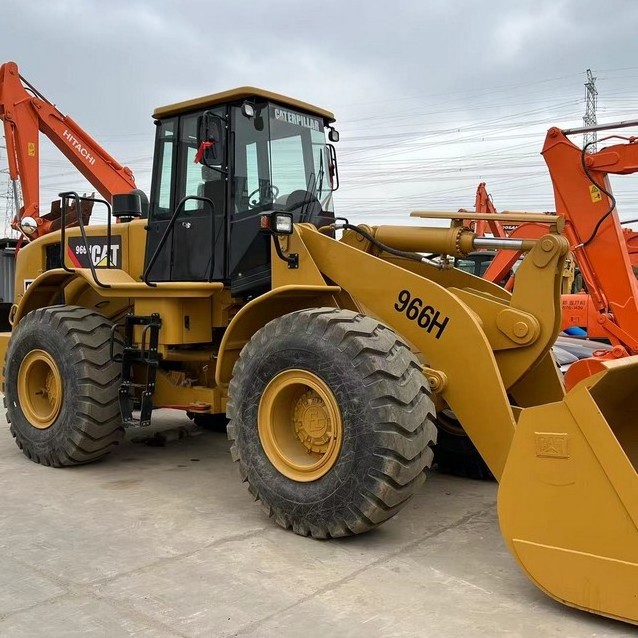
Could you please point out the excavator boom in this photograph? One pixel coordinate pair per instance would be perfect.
(26, 113)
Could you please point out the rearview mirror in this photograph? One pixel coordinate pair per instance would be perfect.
(211, 140)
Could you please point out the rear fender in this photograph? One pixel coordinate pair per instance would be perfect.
(61, 287)
(45, 290)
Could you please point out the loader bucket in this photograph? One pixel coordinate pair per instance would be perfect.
(568, 497)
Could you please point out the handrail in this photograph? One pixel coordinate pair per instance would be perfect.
(64, 197)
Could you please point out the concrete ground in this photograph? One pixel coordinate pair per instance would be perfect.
(166, 541)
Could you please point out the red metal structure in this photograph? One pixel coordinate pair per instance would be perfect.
(26, 113)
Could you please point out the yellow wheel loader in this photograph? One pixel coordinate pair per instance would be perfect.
(330, 355)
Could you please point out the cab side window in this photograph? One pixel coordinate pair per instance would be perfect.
(163, 172)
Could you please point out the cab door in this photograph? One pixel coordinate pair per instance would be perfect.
(194, 247)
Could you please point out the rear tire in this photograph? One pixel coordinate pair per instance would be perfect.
(212, 422)
(454, 452)
(61, 386)
(364, 404)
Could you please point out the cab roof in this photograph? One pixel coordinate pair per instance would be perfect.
(241, 93)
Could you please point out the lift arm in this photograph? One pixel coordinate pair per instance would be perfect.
(26, 112)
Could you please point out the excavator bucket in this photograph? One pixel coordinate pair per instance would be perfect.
(55, 216)
(568, 496)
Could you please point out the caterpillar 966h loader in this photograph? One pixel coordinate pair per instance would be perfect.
(330, 356)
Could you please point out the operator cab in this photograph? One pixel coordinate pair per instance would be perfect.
(220, 163)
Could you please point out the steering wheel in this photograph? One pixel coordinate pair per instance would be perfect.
(270, 189)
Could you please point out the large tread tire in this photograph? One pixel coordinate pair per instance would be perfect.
(89, 423)
(386, 410)
(454, 452)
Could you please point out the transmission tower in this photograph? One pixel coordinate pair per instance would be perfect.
(8, 209)
(591, 101)
(11, 199)
(4, 205)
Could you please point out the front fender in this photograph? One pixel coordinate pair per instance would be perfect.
(258, 312)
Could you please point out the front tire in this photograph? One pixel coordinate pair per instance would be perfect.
(331, 421)
(61, 386)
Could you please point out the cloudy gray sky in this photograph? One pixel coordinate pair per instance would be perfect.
(431, 96)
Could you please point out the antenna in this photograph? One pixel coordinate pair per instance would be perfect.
(591, 101)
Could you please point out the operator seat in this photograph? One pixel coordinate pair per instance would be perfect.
(305, 207)
(304, 203)
(213, 188)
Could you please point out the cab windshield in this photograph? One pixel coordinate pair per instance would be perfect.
(281, 162)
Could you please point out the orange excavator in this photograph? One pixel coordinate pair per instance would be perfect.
(606, 253)
(25, 113)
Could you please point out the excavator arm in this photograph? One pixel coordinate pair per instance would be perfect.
(584, 198)
(25, 113)
(484, 204)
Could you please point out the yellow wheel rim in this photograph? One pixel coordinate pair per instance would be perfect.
(300, 425)
(40, 389)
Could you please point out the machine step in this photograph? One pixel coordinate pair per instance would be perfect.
(133, 394)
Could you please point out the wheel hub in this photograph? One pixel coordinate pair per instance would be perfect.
(312, 422)
(40, 389)
(300, 425)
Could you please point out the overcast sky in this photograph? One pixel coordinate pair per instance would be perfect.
(431, 96)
